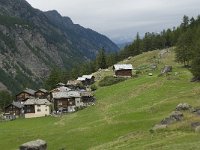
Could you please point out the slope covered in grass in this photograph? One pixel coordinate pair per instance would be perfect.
(122, 117)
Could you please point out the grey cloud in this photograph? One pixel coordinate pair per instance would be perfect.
(121, 20)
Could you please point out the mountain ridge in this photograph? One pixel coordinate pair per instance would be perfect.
(32, 42)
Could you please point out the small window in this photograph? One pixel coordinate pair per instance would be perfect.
(77, 101)
(45, 109)
(38, 105)
(38, 110)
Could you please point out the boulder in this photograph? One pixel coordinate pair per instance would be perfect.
(183, 106)
(166, 69)
(150, 74)
(167, 121)
(34, 145)
(197, 129)
(174, 116)
(177, 115)
(195, 124)
(159, 127)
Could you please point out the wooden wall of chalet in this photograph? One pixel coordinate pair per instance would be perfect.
(124, 73)
(63, 103)
(23, 96)
(40, 94)
(11, 109)
(60, 103)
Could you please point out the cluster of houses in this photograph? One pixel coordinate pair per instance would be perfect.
(64, 98)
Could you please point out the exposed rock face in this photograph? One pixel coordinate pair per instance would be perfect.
(175, 116)
(183, 106)
(34, 145)
(166, 69)
(32, 42)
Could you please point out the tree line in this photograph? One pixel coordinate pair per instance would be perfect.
(185, 38)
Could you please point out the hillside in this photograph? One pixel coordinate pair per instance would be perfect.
(123, 115)
(32, 42)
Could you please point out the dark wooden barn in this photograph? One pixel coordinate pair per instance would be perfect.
(41, 93)
(15, 108)
(123, 70)
(24, 95)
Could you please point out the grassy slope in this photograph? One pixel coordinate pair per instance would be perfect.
(122, 117)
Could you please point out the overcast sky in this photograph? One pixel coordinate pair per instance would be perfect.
(120, 20)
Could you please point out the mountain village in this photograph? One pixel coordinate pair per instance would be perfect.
(65, 98)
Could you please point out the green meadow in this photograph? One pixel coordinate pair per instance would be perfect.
(122, 117)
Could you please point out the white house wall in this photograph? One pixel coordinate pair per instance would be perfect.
(40, 111)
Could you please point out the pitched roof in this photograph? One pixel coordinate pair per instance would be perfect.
(88, 76)
(42, 90)
(81, 79)
(30, 91)
(68, 94)
(86, 93)
(33, 101)
(123, 67)
(73, 82)
(17, 104)
(60, 84)
(61, 89)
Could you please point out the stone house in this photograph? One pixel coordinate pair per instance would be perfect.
(66, 101)
(34, 107)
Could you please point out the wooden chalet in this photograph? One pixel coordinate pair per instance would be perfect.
(24, 95)
(14, 109)
(123, 70)
(41, 93)
(35, 107)
(86, 79)
(66, 101)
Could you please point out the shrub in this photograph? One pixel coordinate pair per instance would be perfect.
(110, 80)
(93, 87)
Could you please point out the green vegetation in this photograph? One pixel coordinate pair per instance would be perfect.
(110, 80)
(122, 117)
(5, 99)
(14, 21)
(9, 42)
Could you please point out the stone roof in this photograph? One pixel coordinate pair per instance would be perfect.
(87, 94)
(73, 82)
(33, 101)
(17, 104)
(88, 76)
(61, 89)
(84, 77)
(30, 91)
(69, 94)
(81, 79)
(122, 67)
(42, 90)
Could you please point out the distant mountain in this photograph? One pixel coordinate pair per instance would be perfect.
(32, 42)
(122, 45)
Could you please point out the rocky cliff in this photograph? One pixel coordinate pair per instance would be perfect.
(32, 42)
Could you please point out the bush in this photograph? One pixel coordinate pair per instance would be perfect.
(110, 80)
(93, 87)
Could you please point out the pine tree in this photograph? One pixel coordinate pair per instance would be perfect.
(101, 59)
(5, 99)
